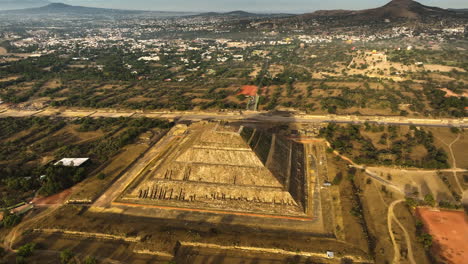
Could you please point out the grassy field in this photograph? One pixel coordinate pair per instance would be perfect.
(29, 147)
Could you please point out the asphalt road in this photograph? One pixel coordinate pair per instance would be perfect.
(246, 117)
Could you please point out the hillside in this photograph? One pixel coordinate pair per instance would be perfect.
(63, 9)
(19, 4)
(241, 14)
(60, 9)
(396, 9)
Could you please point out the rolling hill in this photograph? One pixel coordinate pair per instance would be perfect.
(60, 9)
(19, 4)
(396, 9)
(241, 14)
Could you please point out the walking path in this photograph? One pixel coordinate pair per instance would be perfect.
(454, 161)
(396, 249)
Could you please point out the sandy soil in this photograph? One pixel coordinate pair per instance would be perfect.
(3, 51)
(443, 137)
(420, 182)
(92, 187)
(442, 68)
(58, 198)
(11, 78)
(250, 90)
(449, 230)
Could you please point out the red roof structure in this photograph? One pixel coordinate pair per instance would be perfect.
(249, 90)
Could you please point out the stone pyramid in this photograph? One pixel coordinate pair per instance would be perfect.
(230, 169)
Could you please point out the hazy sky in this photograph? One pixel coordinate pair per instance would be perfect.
(298, 6)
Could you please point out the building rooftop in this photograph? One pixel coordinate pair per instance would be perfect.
(71, 162)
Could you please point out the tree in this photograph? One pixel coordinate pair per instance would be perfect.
(338, 178)
(426, 240)
(455, 130)
(20, 260)
(101, 176)
(10, 220)
(429, 199)
(66, 256)
(26, 250)
(90, 260)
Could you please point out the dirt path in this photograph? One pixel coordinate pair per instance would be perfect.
(396, 249)
(11, 237)
(367, 171)
(454, 161)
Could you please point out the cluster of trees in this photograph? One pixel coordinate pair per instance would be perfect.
(349, 140)
(24, 252)
(19, 178)
(422, 236)
(107, 147)
(273, 102)
(452, 106)
(9, 219)
(118, 67)
(58, 178)
(449, 56)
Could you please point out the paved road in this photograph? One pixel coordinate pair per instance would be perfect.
(247, 116)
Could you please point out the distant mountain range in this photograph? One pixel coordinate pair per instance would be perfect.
(64, 9)
(61, 9)
(396, 9)
(240, 13)
(20, 4)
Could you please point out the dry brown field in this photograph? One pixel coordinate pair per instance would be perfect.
(416, 182)
(444, 137)
(11, 78)
(89, 189)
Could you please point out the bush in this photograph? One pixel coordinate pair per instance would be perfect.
(338, 178)
(90, 260)
(426, 240)
(66, 256)
(26, 250)
(101, 176)
(10, 220)
(20, 260)
(429, 199)
(455, 130)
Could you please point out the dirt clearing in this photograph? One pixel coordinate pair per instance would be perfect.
(250, 90)
(449, 230)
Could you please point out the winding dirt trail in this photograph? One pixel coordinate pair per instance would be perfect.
(454, 161)
(396, 249)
